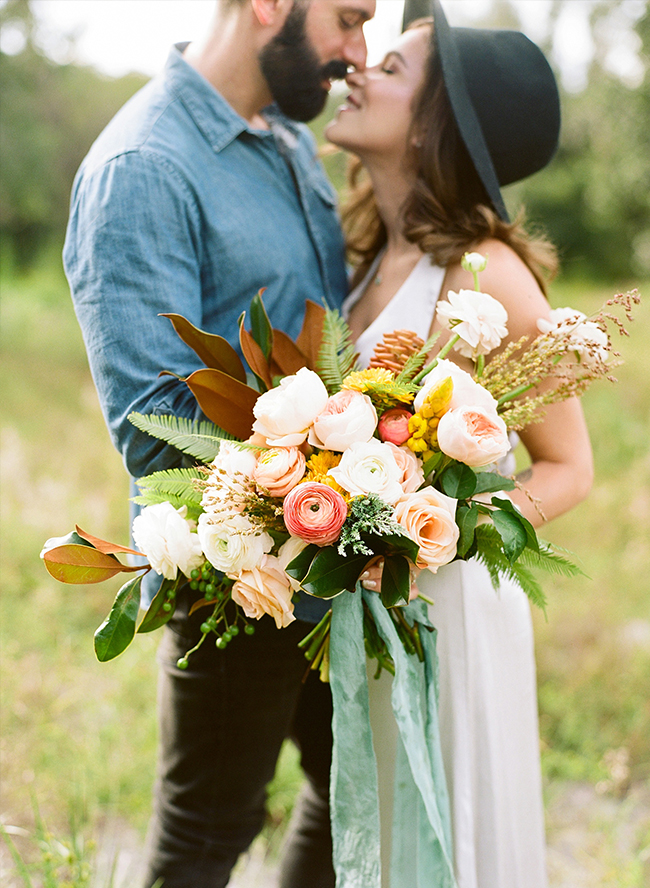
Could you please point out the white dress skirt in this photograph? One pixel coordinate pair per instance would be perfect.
(488, 697)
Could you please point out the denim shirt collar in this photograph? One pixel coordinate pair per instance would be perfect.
(217, 120)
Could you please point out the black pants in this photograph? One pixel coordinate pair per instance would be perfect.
(222, 723)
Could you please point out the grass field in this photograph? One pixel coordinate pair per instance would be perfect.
(78, 737)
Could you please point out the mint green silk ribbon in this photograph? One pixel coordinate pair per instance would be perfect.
(421, 854)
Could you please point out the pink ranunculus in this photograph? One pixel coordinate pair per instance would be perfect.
(347, 418)
(473, 436)
(279, 469)
(315, 513)
(410, 466)
(393, 426)
(429, 518)
(265, 589)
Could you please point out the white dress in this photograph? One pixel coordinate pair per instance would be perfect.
(488, 697)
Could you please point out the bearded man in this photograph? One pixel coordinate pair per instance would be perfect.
(201, 191)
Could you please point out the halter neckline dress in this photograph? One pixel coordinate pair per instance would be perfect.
(488, 694)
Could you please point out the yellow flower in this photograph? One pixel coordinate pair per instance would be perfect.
(365, 380)
(318, 465)
(423, 425)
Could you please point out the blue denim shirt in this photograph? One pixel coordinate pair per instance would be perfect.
(180, 206)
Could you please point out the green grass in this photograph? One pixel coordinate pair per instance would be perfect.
(79, 736)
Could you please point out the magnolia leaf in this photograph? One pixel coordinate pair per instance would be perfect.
(466, 518)
(511, 531)
(311, 335)
(261, 326)
(487, 482)
(215, 351)
(392, 544)
(507, 505)
(254, 356)
(156, 616)
(83, 564)
(299, 567)
(286, 354)
(117, 631)
(104, 546)
(330, 573)
(56, 542)
(458, 481)
(225, 401)
(395, 580)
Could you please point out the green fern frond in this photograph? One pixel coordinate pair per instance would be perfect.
(176, 486)
(336, 356)
(416, 361)
(490, 553)
(199, 439)
(550, 560)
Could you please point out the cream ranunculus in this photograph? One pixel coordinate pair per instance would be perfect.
(466, 392)
(232, 544)
(279, 469)
(429, 518)
(478, 318)
(586, 339)
(164, 535)
(348, 417)
(410, 466)
(473, 436)
(283, 415)
(265, 589)
(369, 467)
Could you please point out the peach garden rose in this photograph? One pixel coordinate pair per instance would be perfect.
(348, 417)
(279, 469)
(265, 589)
(473, 436)
(429, 518)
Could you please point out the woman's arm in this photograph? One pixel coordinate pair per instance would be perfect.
(561, 470)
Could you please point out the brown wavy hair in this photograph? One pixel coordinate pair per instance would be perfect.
(448, 211)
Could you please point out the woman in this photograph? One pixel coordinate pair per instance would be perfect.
(448, 116)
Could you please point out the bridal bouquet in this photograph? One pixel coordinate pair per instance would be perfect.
(310, 469)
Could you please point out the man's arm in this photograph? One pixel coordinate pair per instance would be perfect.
(133, 250)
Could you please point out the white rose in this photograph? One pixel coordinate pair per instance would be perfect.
(163, 534)
(466, 392)
(587, 339)
(369, 467)
(348, 417)
(479, 320)
(232, 544)
(284, 414)
(474, 262)
(473, 436)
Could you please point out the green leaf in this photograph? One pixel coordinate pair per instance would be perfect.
(432, 463)
(176, 486)
(395, 580)
(200, 439)
(416, 361)
(508, 506)
(393, 544)
(299, 567)
(155, 616)
(336, 356)
(117, 631)
(511, 531)
(458, 481)
(330, 573)
(80, 564)
(466, 518)
(489, 550)
(487, 482)
(261, 326)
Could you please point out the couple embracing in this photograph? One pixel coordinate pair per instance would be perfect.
(202, 190)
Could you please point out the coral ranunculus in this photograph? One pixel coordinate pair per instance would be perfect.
(394, 426)
(315, 513)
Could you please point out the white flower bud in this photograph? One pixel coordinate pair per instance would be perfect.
(474, 262)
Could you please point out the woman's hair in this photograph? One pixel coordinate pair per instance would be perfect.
(448, 212)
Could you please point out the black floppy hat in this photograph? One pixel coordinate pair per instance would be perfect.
(503, 95)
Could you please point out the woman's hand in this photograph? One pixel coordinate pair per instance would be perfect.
(371, 577)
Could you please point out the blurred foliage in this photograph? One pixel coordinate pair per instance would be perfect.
(51, 114)
(592, 200)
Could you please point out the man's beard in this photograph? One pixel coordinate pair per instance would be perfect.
(293, 71)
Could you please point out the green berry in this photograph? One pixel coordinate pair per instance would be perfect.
(194, 584)
(227, 635)
(206, 627)
(234, 630)
(209, 589)
(167, 607)
(171, 595)
(194, 575)
(201, 586)
(183, 663)
(249, 630)
(221, 643)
